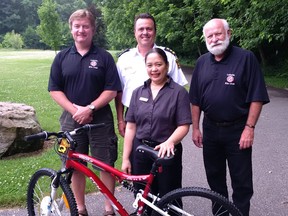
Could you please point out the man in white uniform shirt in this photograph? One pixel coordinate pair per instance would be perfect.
(131, 65)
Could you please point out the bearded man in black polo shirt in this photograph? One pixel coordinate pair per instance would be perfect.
(229, 88)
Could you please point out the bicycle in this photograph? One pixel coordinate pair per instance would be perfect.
(49, 191)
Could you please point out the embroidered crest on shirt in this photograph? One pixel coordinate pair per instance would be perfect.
(230, 80)
(93, 64)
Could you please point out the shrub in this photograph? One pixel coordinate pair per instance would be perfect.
(13, 40)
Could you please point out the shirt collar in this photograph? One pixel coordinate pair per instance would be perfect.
(168, 83)
(136, 52)
(93, 49)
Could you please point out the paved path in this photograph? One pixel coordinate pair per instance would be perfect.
(270, 164)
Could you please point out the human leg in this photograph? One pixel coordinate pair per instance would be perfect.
(214, 159)
(78, 182)
(215, 163)
(109, 182)
(103, 146)
(78, 187)
(240, 167)
(171, 176)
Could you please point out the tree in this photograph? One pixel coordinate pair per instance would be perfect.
(259, 25)
(32, 39)
(50, 25)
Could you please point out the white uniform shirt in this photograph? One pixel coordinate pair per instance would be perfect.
(132, 72)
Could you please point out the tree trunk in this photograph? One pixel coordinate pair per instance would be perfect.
(262, 56)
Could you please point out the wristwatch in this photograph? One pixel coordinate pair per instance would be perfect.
(91, 107)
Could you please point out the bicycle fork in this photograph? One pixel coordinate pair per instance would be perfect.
(49, 204)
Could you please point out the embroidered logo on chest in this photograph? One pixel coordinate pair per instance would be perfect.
(93, 64)
(230, 79)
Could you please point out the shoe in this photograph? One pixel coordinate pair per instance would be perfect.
(109, 213)
(83, 213)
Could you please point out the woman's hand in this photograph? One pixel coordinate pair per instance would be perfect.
(165, 148)
(126, 166)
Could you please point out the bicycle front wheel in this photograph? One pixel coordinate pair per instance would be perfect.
(39, 191)
(196, 201)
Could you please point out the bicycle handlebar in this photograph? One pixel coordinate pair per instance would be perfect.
(45, 135)
(41, 135)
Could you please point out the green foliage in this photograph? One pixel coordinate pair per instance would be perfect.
(258, 25)
(13, 40)
(32, 39)
(50, 29)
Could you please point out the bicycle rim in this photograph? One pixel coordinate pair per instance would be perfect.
(38, 196)
(197, 202)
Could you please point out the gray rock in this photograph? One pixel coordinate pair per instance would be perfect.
(16, 121)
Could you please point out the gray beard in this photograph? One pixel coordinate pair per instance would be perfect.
(220, 49)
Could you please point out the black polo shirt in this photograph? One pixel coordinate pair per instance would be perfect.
(225, 89)
(157, 119)
(83, 78)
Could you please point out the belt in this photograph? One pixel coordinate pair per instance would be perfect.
(227, 123)
(149, 142)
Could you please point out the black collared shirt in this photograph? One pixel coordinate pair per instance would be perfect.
(83, 78)
(225, 89)
(157, 119)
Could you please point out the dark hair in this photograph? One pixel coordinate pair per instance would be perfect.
(144, 16)
(160, 52)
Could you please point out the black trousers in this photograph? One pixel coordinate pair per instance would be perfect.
(221, 146)
(169, 179)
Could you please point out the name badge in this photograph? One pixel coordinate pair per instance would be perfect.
(143, 99)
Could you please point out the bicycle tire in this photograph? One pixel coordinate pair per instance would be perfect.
(196, 201)
(38, 195)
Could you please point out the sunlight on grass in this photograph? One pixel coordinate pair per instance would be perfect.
(24, 79)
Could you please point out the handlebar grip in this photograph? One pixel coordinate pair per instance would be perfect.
(94, 126)
(89, 127)
(41, 135)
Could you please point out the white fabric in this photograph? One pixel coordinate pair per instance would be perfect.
(132, 72)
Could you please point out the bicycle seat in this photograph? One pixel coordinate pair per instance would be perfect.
(152, 154)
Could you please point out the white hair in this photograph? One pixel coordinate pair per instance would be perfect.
(224, 22)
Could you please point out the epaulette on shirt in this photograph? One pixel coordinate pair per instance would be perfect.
(170, 50)
(122, 52)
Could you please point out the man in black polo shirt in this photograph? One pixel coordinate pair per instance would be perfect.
(228, 86)
(83, 80)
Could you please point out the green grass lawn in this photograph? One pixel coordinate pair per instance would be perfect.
(24, 79)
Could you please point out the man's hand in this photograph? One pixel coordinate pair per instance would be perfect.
(247, 138)
(197, 138)
(83, 114)
(121, 128)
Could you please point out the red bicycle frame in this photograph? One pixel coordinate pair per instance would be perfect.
(118, 175)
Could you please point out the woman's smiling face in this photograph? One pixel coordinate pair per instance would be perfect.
(156, 68)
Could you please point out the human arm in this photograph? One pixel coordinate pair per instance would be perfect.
(167, 147)
(120, 114)
(247, 136)
(84, 115)
(196, 133)
(60, 98)
(127, 149)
